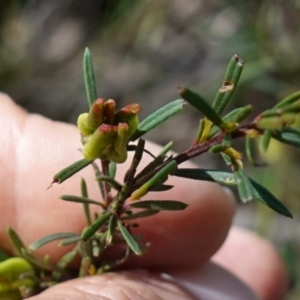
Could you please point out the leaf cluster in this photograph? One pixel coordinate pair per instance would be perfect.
(112, 226)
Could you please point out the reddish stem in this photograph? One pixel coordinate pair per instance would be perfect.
(106, 185)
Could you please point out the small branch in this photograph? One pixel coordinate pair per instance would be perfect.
(196, 150)
(107, 187)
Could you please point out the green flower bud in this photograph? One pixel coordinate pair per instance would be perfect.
(81, 123)
(105, 135)
(96, 114)
(10, 277)
(100, 142)
(128, 115)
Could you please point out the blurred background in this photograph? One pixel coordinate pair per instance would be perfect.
(142, 51)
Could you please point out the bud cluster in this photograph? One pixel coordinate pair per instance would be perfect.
(105, 134)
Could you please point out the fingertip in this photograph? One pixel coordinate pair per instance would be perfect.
(255, 261)
(192, 236)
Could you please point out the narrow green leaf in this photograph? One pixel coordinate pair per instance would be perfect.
(84, 266)
(263, 195)
(275, 112)
(96, 225)
(289, 100)
(151, 166)
(67, 259)
(222, 177)
(141, 214)
(78, 199)
(160, 177)
(112, 169)
(288, 135)
(265, 141)
(71, 170)
(86, 208)
(15, 240)
(159, 116)
(232, 76)
(113, 183)
(129, 175)
(43, 263)
(245, 188)
(160, 205)
(131, 242)
(199, 103)
(161, 188)
(89, 77)
(112, 225)
(237, 115)
(70, 241)
(201, 129)
(50, 238)
(250, 147)
(165, 149)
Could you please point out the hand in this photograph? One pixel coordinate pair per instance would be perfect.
(33, 149)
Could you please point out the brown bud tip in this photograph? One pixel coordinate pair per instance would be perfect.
(106, 128)
(131, 109)
(109, 111)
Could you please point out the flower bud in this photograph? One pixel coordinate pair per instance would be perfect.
(96, 114)
(100, 142)
(109, 111)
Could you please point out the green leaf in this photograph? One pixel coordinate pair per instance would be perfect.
(165, 149)
(289, 100)
(237, 115)
(43, 263)
(112, 169)
(222, 177)
(111, 229)
(86, 208)
(71, 170)
(158, 178)
(265, 141)
(78, 199)
(159, 116)
(264, 196)
(50, 238)
(131, 242)
(141, 214)
(160, 205)
(151, 166)
(276, 112)
(15, 241)
(288, 135)
(70, 241)
(67, 259)
(89, 77)
(199, 103)
(250, 147)
(113, 183)
(96, 225)
(130, 173)
(245, 188)
(232, 76)
(161, 188)
(261, 193)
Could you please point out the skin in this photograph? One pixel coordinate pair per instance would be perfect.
(33, 149)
